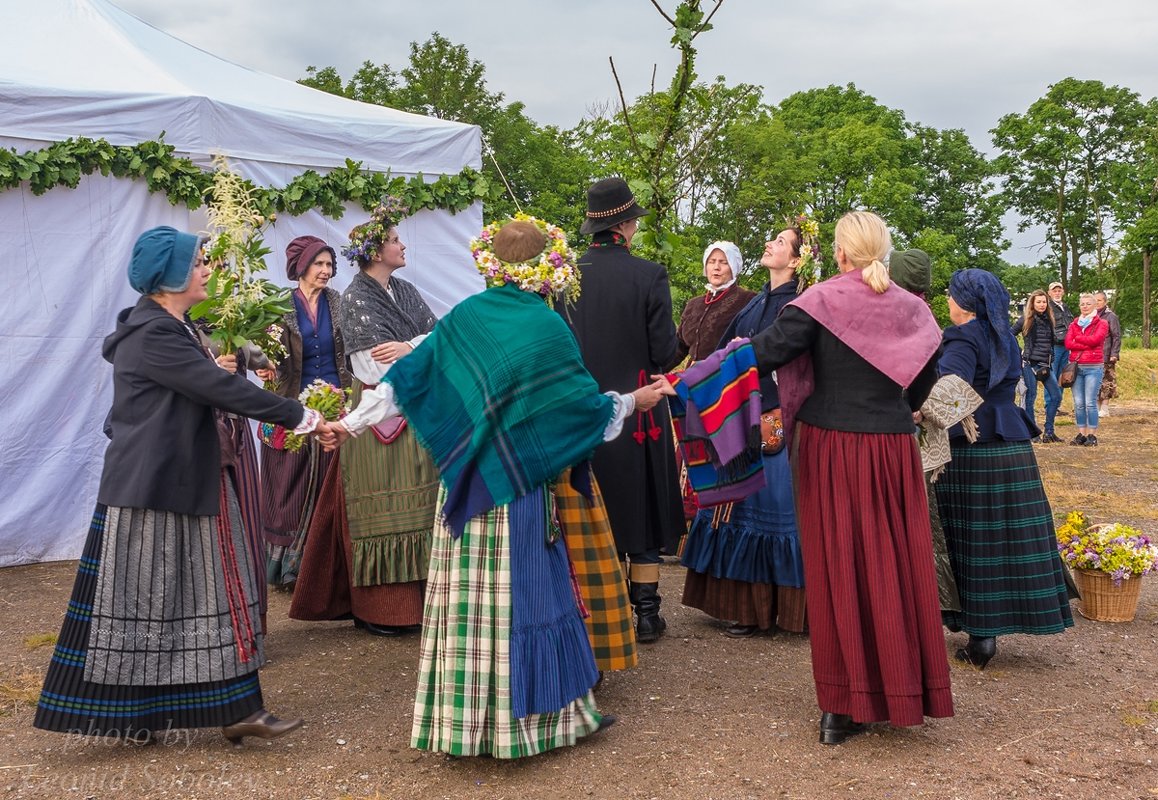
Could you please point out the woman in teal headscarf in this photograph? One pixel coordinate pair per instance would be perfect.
(163, 630)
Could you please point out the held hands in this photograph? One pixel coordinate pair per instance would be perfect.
(389, 352)
(664, 385)
(646, 397)
(331, 435)
(228, 363)
(267, 375)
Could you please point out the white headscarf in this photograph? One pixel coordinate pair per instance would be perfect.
(735, 261)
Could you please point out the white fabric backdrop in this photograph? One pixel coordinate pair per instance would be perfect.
(62, 268)
(63, 255)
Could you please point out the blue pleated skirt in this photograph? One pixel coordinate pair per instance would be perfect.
(754, 540)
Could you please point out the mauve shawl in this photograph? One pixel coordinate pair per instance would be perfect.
(894, 331)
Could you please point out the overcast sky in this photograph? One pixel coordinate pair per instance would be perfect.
(944, 63)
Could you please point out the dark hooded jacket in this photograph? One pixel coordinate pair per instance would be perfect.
(165, 454)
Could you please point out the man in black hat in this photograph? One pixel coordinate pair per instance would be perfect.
(624, 326)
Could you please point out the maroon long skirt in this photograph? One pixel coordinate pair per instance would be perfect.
(324, 589)
(878, 652)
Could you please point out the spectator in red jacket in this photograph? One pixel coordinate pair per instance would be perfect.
(1085, 339)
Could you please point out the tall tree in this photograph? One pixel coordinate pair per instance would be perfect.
(957, 196)
(540, 169)
(1057, 160)
(1137, 214)
(658, 124)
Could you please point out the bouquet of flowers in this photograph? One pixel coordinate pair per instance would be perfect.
(327, 400)
(240, 308)
(1115, 549)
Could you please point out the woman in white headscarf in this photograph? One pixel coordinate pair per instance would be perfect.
(705, 318)
(744, 560)
(703, 323)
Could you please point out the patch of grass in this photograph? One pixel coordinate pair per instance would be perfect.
(1138, 375)
(40, 640)
(1133, 720)
(1152, 707)
(22, 688)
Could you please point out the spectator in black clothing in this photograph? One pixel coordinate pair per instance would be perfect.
(1062, 317)
(1036, 327)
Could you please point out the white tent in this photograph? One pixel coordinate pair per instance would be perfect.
(85, 68)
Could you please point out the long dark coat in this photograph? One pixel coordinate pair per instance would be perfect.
(623, 323)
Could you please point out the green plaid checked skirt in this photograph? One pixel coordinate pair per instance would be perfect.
(591, 545)
(1002, 544)
(467, 693)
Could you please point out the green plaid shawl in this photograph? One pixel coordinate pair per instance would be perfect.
(499, 395)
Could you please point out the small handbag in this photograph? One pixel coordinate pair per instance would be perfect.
(1068, 374)
(771, 432)
(1040, 371)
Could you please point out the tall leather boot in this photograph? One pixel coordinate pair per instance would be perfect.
(649, 625)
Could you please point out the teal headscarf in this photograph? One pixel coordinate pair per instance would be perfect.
(163, 260)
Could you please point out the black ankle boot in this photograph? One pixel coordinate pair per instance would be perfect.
(978, 651)
(649, 625)
(836, 728)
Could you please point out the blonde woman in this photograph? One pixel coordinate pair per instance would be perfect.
(1085, 340)
(845, 352)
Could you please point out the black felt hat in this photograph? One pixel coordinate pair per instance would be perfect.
(610, 202)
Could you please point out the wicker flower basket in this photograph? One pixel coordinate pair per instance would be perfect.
(1105, 602)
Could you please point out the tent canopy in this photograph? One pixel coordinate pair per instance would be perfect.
(110, 72)
(109, 75)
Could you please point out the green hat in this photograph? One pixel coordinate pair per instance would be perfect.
(912, 270)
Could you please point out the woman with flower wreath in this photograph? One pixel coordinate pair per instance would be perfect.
(499, 394)
(997, 518)
(743, 559)
(368, 547)
(855, 356)
(313, 347)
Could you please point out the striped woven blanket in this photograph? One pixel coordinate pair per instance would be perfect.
(717, 419)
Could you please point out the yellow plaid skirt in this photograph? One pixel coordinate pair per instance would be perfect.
(587, 533)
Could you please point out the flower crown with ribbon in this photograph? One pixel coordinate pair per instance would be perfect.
(546, 267)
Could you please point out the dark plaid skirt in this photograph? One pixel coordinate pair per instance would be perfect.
(999, 528)
(70, 704)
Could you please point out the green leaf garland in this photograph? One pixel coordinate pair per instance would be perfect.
(185, 183)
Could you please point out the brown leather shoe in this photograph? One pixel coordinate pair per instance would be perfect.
(261, 724)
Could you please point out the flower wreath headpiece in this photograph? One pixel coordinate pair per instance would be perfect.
(552, 272)
(365, 239)
(808, 267)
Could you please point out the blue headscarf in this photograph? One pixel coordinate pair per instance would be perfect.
(163, 260)
(982, 293)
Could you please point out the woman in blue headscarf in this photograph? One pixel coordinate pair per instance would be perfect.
(162, 631)
(998, 522)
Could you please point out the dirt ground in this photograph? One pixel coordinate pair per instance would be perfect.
(703, 716)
